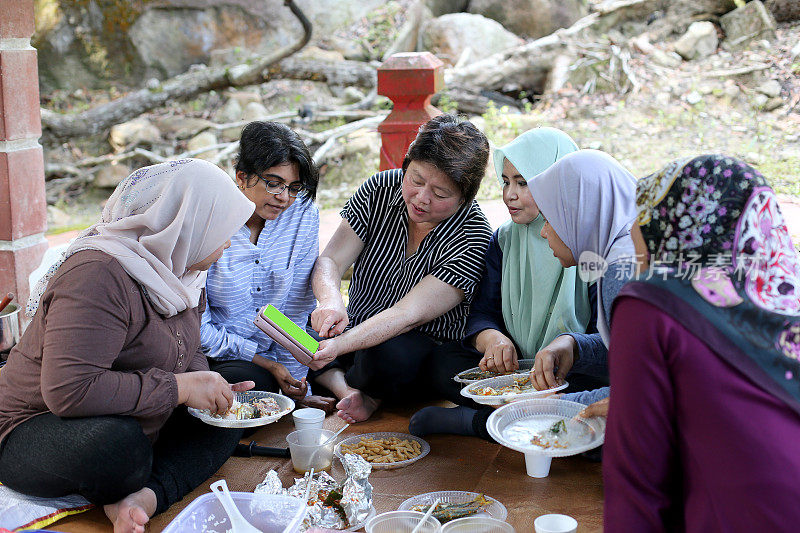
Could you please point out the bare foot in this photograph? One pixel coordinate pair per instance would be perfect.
(130, 514)
(356, 407)
(325, 403)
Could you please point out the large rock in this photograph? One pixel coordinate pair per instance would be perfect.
(109, 176)
(254, 111)
(181, 127)
(449, 36)
(133, 133)
(170, 40)
(443, 7)
(91, 42)
(784, 10)
(200, 141)
(531, 18)
(699, 41)
(742, 25)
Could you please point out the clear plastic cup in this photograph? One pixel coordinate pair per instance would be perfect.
(308, 418)
(555, 523)
(477, 524)
(305, 446)
(402, 522)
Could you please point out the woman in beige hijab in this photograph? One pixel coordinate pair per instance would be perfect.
(88, 398)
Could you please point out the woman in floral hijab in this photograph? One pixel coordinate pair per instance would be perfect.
(704, 359)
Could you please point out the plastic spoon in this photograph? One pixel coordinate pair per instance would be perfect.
(427, 515)
(238, 523)
(308, 485)
(333, 437)
(328, 441)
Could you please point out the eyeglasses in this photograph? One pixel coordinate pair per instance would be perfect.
(276, 187)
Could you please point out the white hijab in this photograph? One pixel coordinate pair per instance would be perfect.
(159, 221)
(590, 201)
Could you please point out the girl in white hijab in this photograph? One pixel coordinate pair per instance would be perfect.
(88, 397)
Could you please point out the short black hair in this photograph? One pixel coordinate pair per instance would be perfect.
(264, 145)
(454, 146)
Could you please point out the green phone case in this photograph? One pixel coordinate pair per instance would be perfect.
(291, 329)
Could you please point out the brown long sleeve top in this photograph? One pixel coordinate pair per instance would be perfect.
(97, 347)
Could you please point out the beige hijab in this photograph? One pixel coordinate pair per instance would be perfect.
(159, 221)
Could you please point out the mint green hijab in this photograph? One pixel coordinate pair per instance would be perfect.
(540, 298)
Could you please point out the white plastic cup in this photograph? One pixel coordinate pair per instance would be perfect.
(307, 451)
(537, 464)
(402, 522)
(555, 523)
(308, 418)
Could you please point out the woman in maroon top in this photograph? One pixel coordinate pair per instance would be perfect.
(88, 397)
(704, 418)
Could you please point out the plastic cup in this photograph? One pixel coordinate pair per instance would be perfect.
(308, 418)
(305, 446)
(555, 523)
(402, 522)
(537, 464)
(477, 524)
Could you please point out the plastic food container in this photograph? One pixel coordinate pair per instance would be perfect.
(477, 524)
(307, 451)
(269, 513)
(402, 522)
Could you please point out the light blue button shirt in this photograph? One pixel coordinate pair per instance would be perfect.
(277, 271)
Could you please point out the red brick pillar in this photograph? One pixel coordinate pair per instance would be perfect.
(409, 80)
(23, 210)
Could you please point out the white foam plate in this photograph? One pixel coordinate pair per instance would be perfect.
(494, 510)
(286, 404)
(425, 448)
(525, 366)
(532, 416)
(501, 399)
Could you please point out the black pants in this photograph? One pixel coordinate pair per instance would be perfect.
(237, 370)
(106, 458)
(390, 370)
(448, 360)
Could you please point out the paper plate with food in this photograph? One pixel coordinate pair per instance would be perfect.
(249, 409)
(454, 504)
(506, 389)
(472, 375)
(384, 450)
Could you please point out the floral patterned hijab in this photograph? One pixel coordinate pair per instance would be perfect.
(718, 242)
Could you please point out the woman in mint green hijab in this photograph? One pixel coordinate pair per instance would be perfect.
(539, 298)
(526, 300)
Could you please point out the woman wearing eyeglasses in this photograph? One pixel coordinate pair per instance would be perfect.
(269, 262)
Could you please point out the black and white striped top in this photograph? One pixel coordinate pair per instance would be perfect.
(453, 252)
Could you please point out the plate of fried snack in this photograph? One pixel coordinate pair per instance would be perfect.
(472, 375)
(249, 409)
(506, 389)
(454, 504)
(384, 450)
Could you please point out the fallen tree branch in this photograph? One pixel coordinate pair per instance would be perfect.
(182, 86)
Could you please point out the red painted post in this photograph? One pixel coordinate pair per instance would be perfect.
(409, 80)
(23, 209)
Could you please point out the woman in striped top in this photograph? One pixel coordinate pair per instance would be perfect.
(417, 239)
(269, 262)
